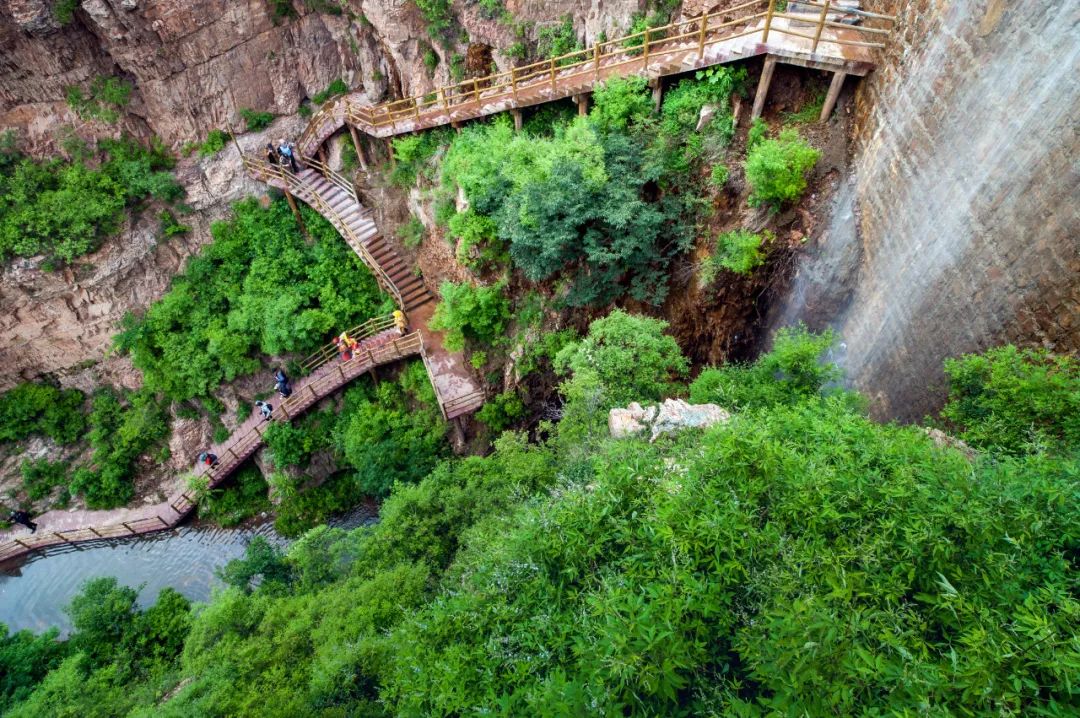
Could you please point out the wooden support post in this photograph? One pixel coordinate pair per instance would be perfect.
(646, 49)
(125, 525)
(516, 114)
(596, 62)
(582, 101)
(341, 372)
(322, 156)
(657, 85)
(768, 22)
(374, 375)
(475, 90)
(834, 92)
(821, 24)
(358, 147)
(513, 82)
(445, 104)
(296, 212)
(416, 109)
(312, 389)
(763, 86)
(456, 125)
(701, 35)
(553, 76)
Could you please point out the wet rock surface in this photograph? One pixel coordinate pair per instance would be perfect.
(672, 415)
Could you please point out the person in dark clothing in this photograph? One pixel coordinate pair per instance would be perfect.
(282, 381)
(208, 458)
(265, 409)
(21, 517)
(271, 154)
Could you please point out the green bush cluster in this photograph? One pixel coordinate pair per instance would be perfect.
(738, 251)
(478, 245)
(64, 10)
(256, 120)
(259, 287)
(215, 142)
(122, 428)
(437, 16)
(104, 100)
(556, 40)
(244, 496)
(776, 169)
(335, 88)
(797, 559)
(34, 408)
(41, 476)
(412, 154)
(66, 209)
(469, 312)
(1015, 400)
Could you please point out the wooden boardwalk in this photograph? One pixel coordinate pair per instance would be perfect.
(811, 34)
(379, 343)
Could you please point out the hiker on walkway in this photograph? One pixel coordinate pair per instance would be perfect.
(209, 459)
(21, 517)
(281, 379)
(346, 345)
(265, 409)
(401, 322)
(288, 154)
(271, 155)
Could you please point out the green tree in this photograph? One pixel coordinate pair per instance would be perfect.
(469, 312)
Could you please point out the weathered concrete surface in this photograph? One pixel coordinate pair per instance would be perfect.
(964, 199)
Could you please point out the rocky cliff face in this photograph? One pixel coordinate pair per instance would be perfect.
(959, 229)
(195, 63)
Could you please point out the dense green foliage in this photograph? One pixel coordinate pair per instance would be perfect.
(32, 408)
(105, 99)
(468, 312)
(437, 15)
(738, 251)
(259, 287)
(122, 429)
(796, 560)
(557, 40)
(64, 10)
(25, 659)
(242, 497)
(335, 88)
(776, 169)
(41, 476)
(255, 120)
(65, 209)
(1015, 400)
(215, 142)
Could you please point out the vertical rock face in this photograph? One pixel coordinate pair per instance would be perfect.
(964, 196)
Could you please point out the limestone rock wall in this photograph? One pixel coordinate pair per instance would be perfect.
(960, 227)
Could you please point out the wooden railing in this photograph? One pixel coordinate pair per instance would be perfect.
(748, 18)
(325, 353)
(267, 172)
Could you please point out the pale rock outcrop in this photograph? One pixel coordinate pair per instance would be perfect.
(672, 415)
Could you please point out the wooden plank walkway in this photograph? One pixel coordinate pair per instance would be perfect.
(814, 38)
(335, 199)
(63, 528)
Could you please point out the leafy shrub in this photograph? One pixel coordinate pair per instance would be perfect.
(776, 169)
(32, 408)
(620, 102)
(259, 287)
(502, 410)
(431, 60)
(1015, 400)
(739, 251)
(215, 142)
(104, 101)
(396, 435)
(437, 15)
(718, 176)
(412, 153)
(64, 10)
(793, 371)
(335, 88)
(41, 476)
(255, 120)
(758, 133)
(281, 9)
(809, 112)
(466, 312)
(412, 233)
(628, 355)
(25, 660)
(476, 232)
(300, 511)
(169, 225)
(244, 496)
(557, 40)
(122, 429)
(65, 210)
(457, 67)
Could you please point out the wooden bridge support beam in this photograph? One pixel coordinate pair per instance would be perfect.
(657, 85)
(296, 212)
(834, 92)
(763, 87)
(358, 147)
(518, 120)
(582, 102)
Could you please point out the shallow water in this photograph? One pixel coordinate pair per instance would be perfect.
(34, 595)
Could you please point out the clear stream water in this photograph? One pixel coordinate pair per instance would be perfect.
(34, 595)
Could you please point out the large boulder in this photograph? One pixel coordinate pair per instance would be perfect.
(672, 415)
